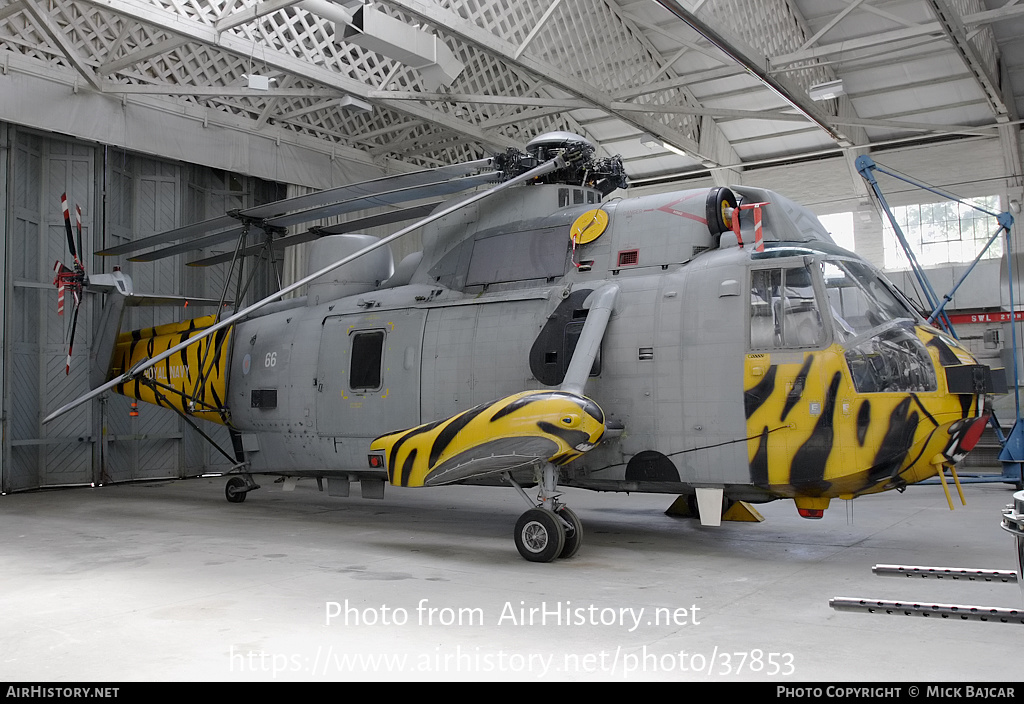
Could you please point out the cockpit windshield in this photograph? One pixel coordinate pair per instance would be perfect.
(859, 300)
(892, 358)
(792, 303)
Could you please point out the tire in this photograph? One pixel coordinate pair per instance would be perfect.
(539, 535)
(573, 536)
(235, 490)
(719, 199)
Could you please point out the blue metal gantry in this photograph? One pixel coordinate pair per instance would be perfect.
(1012, 453)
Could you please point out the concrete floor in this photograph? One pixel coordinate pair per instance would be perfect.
(167, 581)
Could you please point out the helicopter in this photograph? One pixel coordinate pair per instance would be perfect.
(711, 343)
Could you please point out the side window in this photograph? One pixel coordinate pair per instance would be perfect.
(765, 327)
(783, 309)
(367, 357)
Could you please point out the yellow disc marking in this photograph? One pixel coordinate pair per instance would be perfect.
(589, 226)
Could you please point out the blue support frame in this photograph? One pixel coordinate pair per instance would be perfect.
(1012, 452)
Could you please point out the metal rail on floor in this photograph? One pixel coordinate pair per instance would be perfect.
(1013, 523)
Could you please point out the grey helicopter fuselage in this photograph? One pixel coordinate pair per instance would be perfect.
(494, 303)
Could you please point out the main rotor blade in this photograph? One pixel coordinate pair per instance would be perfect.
(387, 218)
(362, 202)
(194, 230)
(208, 241)
(394, 196)
(547, 167)
(308, 201)
(400, 195)
(363, 189)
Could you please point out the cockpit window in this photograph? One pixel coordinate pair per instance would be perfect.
(859, 300)
(783, 309)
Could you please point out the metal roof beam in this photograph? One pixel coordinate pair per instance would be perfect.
(525, 101)
(683, 81)
(194, 31)
(754, 64)
(955, 31)
(249, 14)
(880, 38)
(143, 54)
(57, 36)
(507, 52)
(831, 23)
(220, 91)
(12, 9)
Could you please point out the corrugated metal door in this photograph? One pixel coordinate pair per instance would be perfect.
(145, 200)
(60, 452)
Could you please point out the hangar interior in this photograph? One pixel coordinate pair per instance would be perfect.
(156, 114)
(153, 114)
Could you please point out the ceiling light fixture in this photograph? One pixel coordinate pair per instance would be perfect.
(652, 142)
(255, 82)
(350, 102)
(826, 91)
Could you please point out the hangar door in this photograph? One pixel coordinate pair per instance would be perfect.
(35, 341)
(123, 197)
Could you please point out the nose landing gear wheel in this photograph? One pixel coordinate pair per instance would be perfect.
(540, 535)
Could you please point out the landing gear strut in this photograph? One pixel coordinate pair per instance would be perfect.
(549, 530)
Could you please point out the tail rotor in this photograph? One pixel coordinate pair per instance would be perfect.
(70, 280)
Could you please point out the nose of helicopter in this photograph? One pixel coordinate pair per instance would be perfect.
(951, 404)
(876, 412)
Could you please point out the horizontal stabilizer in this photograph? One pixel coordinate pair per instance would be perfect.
(148, 300)
(512, 432)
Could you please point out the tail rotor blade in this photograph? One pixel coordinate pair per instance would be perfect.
(71, 341)
(59, 271)
(78, 221)
(67, 225)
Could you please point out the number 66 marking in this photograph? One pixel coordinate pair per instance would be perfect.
(271, 360)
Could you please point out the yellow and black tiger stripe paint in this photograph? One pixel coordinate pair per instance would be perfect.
(172, 383)
(512, 432)
(811, 434)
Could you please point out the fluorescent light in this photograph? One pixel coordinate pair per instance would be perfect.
(652, 142)
(826, 91)
(259, 82)
(674, 149)
(351, 102)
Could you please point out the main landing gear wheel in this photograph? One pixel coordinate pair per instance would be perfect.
(573, 534)
(236, 490)
(540, 535)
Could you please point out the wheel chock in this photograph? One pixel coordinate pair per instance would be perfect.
(681, 507)
(742, 511)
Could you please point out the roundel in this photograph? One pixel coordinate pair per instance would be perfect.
(589, 226)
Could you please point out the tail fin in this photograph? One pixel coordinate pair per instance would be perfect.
(120, 294)
(119, 286)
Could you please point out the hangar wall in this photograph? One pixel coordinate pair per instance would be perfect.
(123, 196)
